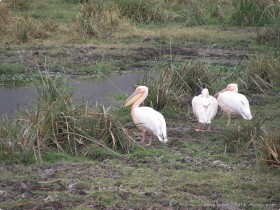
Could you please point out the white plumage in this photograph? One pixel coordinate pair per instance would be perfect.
(204, 108)
(233, 102)
(147, 119)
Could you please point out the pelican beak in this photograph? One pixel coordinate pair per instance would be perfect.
(134, 97)
(217, 94)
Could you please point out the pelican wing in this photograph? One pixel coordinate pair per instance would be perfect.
(213, 108)
(152, 121)
(236, 103)
(204, 108)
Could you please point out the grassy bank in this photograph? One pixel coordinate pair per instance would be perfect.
(64, 154)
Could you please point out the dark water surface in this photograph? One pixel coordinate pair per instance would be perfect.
(92, 90)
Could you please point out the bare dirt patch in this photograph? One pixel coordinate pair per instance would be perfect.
(40, 57)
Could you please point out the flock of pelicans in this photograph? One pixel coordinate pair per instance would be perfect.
(204, 108)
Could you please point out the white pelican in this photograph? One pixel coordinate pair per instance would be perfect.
(204, 108)
(232, 102)
(146, 118)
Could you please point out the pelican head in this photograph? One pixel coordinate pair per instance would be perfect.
(139, 91)
(205, 92)
(232, 87)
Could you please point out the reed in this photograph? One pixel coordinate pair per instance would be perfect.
(143, 11)
(176, 84)
(270, 150)
(98, 19)
(5, 18)
(262, 73)
(20, 4)
(58, 123)
(250, 12)
(24, 29)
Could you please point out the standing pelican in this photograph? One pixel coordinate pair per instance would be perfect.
(204, 108)
(232, 102)
(146, 118)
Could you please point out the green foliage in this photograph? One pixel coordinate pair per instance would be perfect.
(98, 19)
(253, 139)
(10, 68)
(176, 84)
(270, 33)
(250, 12)
(14, 74)
(142, 11)
(24, 29)
(196, 75)
(270, 150)
(4, 18)
(57, 123)
(262, 73)
(20, 4)
(75, 1)
(161, 90)
(191, 14)
(99, 68)
(241, 138)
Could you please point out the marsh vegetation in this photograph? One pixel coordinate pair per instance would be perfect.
(66, 154)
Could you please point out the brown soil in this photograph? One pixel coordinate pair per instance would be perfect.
(136, 57)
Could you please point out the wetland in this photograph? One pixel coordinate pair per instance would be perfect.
(76, 147)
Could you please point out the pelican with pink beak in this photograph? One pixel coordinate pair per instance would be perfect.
(147, 119)
(232, 102)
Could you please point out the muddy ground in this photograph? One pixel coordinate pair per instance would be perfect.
(72, 58)
(192, 171)
(122, 183)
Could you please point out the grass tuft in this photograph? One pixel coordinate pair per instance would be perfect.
(262, 73)
(250, 12)
(270, 150)
(57, 123)
(5, 18)
(98, 19)
(20, 4)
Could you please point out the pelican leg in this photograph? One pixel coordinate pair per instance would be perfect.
(150, 142)
(228, 122)
(237, 123)
(143, 137)
(208, 127)
(198, 127)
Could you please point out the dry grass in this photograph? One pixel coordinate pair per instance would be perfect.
(5, 18)
(97, 19)
(270, 146)
(58, 123)
(262, 73)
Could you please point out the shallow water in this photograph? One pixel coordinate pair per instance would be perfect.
(91, 90)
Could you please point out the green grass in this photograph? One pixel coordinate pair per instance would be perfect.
(193, 170)
(10, 69)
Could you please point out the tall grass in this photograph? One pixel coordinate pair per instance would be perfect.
(254, 139)
(98, 19)
(192, 14)
(20, 4)
(262, 73)
(270, 150)
(176, 84)
(58, 123)
(250, 12)
(4, 18)
(270, 33)
(142, 11)
(24, 29)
